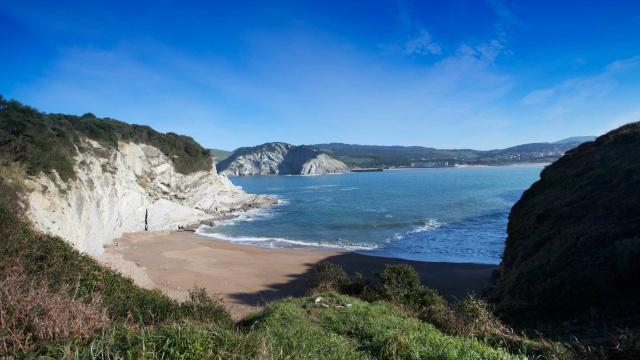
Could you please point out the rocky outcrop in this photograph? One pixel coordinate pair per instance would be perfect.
(573, 245)
(280, 158)
(128, 189)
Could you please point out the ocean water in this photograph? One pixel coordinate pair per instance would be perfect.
(450, 214)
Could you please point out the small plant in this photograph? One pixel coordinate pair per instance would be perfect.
(326, 276)
(401, 284)
(203, 307)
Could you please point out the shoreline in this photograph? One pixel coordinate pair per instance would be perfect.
(247, 277)
(469, 166)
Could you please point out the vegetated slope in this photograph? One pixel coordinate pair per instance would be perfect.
(279, 158)
(378, 156)
(219, 155)
(90, 180)
(58, 303)
(579, 139)
(49, 141)
(573, 245)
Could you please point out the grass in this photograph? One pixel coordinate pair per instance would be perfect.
(220, 154)
(58, 303)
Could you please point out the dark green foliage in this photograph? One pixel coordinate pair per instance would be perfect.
(401, 284)
(326, 276)
(48, 142)
(573, 246)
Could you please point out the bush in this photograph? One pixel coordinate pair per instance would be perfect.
(326, 276)
(202, 307)
(30, 313)
(401, 284)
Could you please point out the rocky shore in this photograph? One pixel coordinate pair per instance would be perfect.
(133, 187)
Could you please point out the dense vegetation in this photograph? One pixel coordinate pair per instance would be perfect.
(46, 142)
(381, 156)
(573, 246)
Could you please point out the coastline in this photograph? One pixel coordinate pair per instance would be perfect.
(247, 277)
(469, 166)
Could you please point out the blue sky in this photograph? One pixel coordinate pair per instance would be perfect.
(446, 74)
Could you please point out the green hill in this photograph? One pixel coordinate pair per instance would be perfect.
(219, 155)
(573, 245)
(46, 142)
(380, 156)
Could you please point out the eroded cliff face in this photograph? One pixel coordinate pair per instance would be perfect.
(323, 164)
(280, 158)
(126, 190)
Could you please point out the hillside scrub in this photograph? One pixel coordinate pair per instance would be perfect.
(573, 246)
(46, 142)
(56, 302)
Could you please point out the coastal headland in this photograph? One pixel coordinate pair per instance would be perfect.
(247, 277)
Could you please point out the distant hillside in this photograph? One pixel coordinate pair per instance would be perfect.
(379, 156)
(219, 155)
(279, 158)
(573, 246)
(579, 139)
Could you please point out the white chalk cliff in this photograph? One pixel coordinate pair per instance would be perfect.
(280, 158)
(125, 189)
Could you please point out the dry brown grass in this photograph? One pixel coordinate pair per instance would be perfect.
(30, 312)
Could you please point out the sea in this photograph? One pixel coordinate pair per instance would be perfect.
(437, 215)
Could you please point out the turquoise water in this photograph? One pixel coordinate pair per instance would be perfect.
(452, 215)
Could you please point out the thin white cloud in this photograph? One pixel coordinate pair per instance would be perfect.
(623, 65)
(503, 12)
(574, 92)
(422, 45)
(418, 40)
(537, 96)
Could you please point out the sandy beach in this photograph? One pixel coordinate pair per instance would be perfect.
(246, 277)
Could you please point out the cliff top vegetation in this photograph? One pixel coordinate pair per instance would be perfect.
(573, 246)
(46, 142)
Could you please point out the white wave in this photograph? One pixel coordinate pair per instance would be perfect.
(351, 188)
(249, 215)
(315, 186)
(279, 243)
(428, 225)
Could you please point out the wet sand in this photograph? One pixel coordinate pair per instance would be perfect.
(246, 277)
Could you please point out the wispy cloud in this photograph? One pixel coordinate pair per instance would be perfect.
(417, 39)
(571, 93)
(422, 45)
(503, 12)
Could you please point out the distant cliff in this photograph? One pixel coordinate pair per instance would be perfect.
(280, 158)
(90, 180)
(573, 245)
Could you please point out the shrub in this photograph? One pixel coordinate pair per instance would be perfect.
(30, 313)
(326, 276)
(202, 307)
(401, 284)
